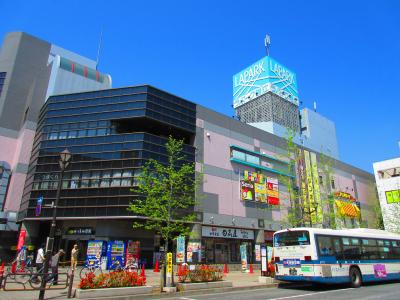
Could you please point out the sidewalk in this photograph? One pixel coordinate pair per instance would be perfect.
(239, 280)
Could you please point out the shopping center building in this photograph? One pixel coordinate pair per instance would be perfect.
(111, 133)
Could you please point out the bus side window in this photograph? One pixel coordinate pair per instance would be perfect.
(337, 248)
(396, 249)
(351, 248)
(324, 246)
(369, 249)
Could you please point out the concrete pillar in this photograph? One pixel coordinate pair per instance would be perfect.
(259, 236)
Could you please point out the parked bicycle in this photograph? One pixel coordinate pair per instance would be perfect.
(130, 266)
(91, 267)
(23, 270)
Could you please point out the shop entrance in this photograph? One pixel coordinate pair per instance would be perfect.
(221, 253)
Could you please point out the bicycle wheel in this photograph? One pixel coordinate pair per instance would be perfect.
(35, 281)
(10, 273)
(84, 271)
(23, 276)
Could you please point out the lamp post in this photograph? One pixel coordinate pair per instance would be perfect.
(65, 158)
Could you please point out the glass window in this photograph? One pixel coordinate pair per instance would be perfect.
(252, 159)
(44, 185)
(36, 185)
(95, 181)
(91, 132)
(75, 180)
(126, 182)
(292, 238)
(238, 155)
(81, 133)
(85, 179)
(63, 135)
(324, 244)
(101, 131)
(352, 251)
(72, 134)
(53, 135)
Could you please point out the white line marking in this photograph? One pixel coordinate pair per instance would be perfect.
(183, 298)
(310, 294)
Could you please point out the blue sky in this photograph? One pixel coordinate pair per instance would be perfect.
(345, 53)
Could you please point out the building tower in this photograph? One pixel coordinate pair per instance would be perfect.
(31, 70)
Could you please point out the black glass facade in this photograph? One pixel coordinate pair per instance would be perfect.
(111, 134)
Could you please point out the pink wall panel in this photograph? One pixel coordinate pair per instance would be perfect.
(342, 182)
(228, 195)
(24, 146)
(217, 150)
(15, 192)
(7, 150)
(364, 192)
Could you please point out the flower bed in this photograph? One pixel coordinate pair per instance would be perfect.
(201, 273)
(112, 280)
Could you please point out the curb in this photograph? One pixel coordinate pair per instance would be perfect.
(189, 293)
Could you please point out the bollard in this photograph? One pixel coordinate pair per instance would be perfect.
(71, 283)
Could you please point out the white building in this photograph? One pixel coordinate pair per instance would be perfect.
(387, 176)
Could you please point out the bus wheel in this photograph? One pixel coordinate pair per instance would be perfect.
(355, 277)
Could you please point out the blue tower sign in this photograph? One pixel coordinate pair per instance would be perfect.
(264, 76)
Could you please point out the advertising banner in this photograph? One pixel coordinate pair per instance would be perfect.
(260, 192)
(247, 190)
(258, 252)
(193, 249)
(393, 196)
(273, 191)
(309, 179)
(243, 256)
(180, 249)
(317, 194)
(38, 208)
(264, 258)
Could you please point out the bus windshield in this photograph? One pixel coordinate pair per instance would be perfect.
(292, 238)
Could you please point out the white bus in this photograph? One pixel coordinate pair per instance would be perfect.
(336, 256)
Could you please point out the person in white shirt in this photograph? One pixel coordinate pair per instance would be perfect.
(39, 261)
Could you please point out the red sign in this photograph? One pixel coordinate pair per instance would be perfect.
(21, 239)
(132, 251)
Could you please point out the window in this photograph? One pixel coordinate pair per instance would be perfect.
(95, 181)
(333, 183)
(252, 159)
(238, 155)
(369, 249)
(324, 244)
(75, 180)
(351, 248)
(85, 179)
(292, 238)
(72, 134)
(321, 182)
(116, 181)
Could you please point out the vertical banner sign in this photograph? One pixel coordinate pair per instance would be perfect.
(317, 195)
(180, 249)
(258, 252)
(243, 255)
(303, 184)
(169, 264)
(264, 258)
(38, 209)
(20, 244)
(310, 187)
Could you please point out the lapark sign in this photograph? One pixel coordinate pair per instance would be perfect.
(263, 76)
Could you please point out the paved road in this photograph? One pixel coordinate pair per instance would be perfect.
(383, 291)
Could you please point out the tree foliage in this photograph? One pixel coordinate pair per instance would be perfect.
(166, 194)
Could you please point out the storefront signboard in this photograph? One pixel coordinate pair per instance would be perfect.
(180, 249)
(263, 258)
(243, 256)
(169, 264)
(258, 252)
(228, 233)
(80, 231)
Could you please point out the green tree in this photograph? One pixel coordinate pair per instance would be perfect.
(166, 194)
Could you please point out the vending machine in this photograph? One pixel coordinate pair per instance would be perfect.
(96, 250)
(115, 252)
(133, 252)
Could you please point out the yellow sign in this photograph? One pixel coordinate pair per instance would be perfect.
(169, 264)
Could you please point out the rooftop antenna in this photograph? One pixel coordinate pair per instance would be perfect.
(99, 49)
(267, 43)
(315, 106)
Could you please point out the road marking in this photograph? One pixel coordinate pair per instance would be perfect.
(310, 294)
(183, 298)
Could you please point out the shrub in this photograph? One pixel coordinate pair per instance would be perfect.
(201, 273)
(111, 280)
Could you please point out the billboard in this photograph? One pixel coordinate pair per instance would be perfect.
(261, 77)
(259, 188)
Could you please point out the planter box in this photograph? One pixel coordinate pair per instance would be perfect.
(110, 292)
(203, 285)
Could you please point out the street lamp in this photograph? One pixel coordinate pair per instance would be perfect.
(65, 158)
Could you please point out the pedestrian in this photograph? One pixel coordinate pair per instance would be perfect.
(74, 257)
(39, 261)
(55, 260)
